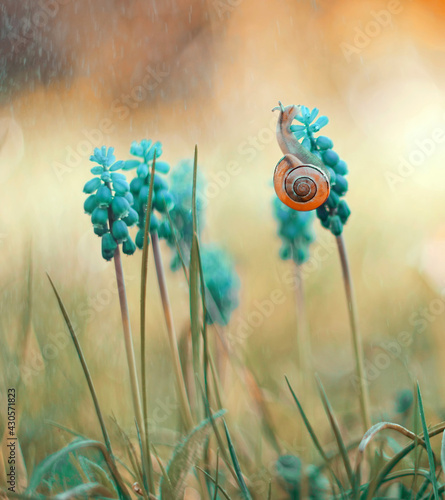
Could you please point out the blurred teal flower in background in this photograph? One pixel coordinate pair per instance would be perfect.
(181, 180)
(295, 230)
(222, 283)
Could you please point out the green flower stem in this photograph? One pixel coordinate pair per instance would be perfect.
(304, 347)
(304, 355)
(180, 385)
(147, 453)
(356, 337)
(131, 360)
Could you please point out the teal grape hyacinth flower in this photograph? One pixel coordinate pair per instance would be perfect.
(145, 151)
(110, 203)
(335, 212)
(222, 284)
(295, 230)
(180, 214)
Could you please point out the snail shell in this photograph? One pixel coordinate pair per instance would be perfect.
(301, 179)
(299, 186)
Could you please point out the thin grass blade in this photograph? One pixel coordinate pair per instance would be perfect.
(218, 487)
(84, 367)
(308, 425)
(314, 438)
(194, 276)
(236, 465)
(428, 445)
(90, 490)
(51, 460)
(336, 431)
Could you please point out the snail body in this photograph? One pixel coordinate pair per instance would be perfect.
(301, 179)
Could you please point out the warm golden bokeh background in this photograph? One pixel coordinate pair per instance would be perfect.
(215, 69)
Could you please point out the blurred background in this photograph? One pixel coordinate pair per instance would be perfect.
(76, 75)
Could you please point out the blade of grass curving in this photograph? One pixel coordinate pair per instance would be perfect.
(314, 438)
(49, 462)
(336, 431)
(217, 486)
(374, 431)
(394, 477)
(64, 428)
(146, 456)
(431, 460)
(236, 465)
(269, 493)
(77, 435)
(84, 367)
(194, 275)
(374, 485)
(95, 473)
(183, 460)
(407, 472)
(90, 490)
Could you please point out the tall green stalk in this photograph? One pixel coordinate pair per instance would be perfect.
(179, 379)
(362, 383)
(144, 270)
(304, 354)
(129, 349)
(304, 348)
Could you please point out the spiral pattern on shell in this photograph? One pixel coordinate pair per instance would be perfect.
(300, 186)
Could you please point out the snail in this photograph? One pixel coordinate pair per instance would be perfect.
(301, 180)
